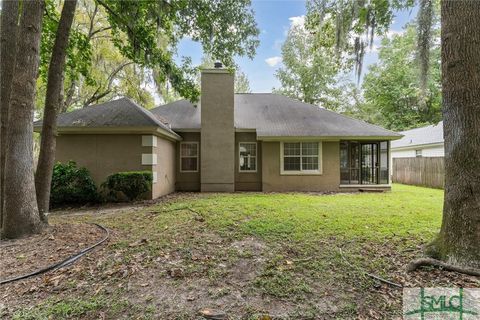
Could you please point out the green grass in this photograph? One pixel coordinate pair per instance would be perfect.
(62, 309)
(406, 211)
(307, 240)
(78, 308)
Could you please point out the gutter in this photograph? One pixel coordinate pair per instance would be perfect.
(325, 138)
(158, 131)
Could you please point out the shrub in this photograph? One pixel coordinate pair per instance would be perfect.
(72, 185)
(132, 184)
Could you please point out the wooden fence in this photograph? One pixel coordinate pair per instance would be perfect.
(428, 172)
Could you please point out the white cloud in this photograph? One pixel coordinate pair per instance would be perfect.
(297, 21)
(273, 61)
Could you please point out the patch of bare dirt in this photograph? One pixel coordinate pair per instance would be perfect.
(55, 244)
(219, 282)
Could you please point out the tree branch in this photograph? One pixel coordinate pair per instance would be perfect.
(92, 20)
(96, 95)
(91, 34)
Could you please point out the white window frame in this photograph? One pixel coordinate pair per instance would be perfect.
(418, 153)
(256, 156)
(181, 157)
(301, 172)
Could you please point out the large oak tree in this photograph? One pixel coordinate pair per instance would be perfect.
(53, 104)
(9, 24)
(459, 238)
(21, 211)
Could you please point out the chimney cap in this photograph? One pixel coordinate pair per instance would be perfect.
(218, 65)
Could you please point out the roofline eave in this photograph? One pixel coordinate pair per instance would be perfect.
(117, 130)
(325, 138)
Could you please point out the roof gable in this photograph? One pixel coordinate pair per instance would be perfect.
(120, 113)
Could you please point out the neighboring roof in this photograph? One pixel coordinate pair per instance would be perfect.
(420, 136)
(121, 113)
(274, 115)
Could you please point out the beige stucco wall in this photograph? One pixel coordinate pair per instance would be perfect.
(272, 180)
(106, 154)
(187, 181)
(165, 168)
(217, 133)
(248, 181)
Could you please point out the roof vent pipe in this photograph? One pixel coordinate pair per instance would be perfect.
(218, 65)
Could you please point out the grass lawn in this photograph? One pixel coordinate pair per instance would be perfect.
(286, 255)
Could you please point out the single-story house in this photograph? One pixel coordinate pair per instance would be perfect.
(420, 142)
(228, 142)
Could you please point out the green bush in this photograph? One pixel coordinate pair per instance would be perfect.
(72, 185)
(132, 184)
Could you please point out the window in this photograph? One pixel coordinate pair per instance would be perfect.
(418, 153)
(247, 156)
(301, 157)
(188, 156)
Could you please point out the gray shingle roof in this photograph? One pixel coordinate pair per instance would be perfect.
(274, 115)
(181, 114)
(117, 113)
(420, 136)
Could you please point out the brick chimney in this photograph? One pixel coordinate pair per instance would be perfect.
(217, 133)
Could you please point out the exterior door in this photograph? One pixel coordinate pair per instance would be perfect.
(369, 163)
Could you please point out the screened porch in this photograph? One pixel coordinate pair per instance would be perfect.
(364, 163)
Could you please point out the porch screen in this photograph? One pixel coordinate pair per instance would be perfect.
(363, 162)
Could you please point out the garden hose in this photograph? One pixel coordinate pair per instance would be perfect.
(62, 263)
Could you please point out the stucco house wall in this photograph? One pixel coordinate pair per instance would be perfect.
(164, 171)
(106, 154)
(272, 180)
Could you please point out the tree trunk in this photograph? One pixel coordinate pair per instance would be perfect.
(21, 211)
(9, 24)
(53, 103)
(459, 239)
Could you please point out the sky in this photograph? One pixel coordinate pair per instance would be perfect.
(274, 18)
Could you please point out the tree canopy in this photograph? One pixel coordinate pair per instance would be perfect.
(391, 87)
(129, 48)
(224, 28)
(309, 74)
